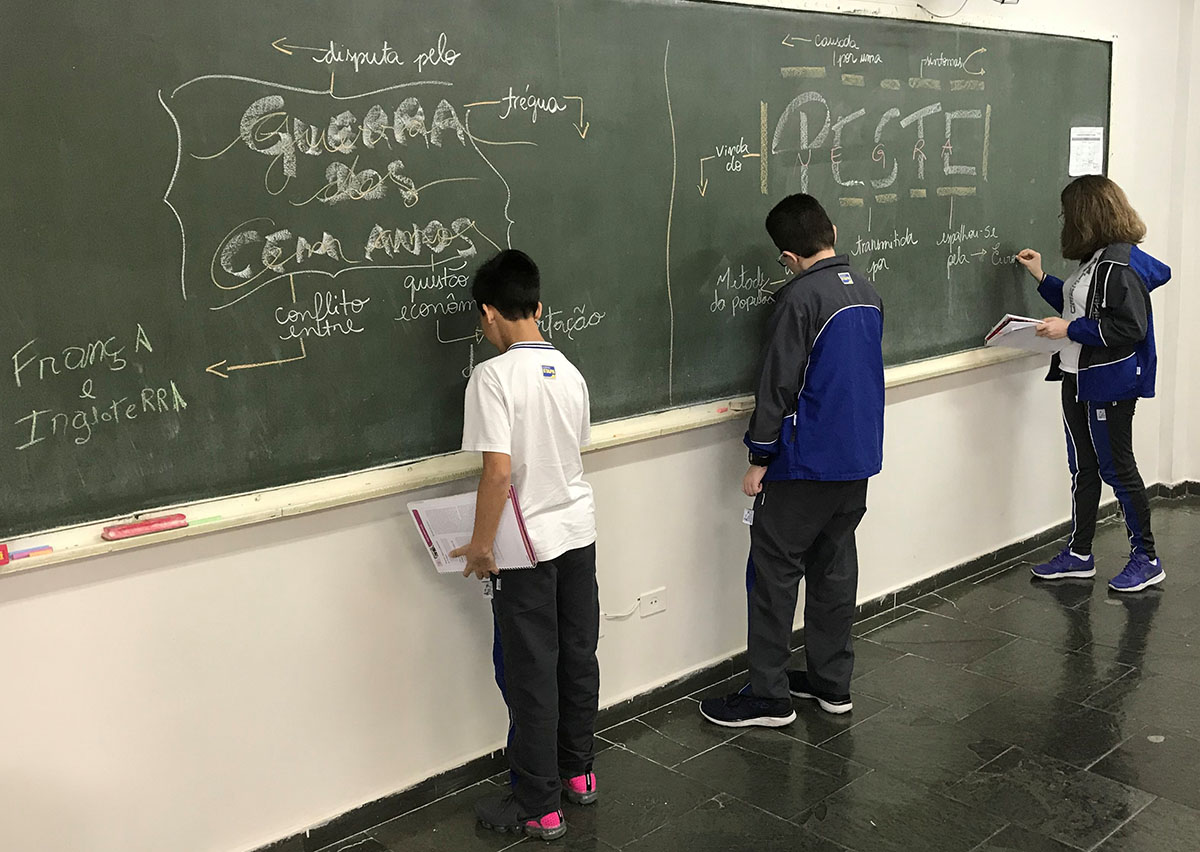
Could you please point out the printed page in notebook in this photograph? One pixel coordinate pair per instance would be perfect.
(446, 524)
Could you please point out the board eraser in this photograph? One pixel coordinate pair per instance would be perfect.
(742, 405)
(144, 527)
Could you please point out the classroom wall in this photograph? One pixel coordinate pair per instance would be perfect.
(224, 691)
(1185, 434)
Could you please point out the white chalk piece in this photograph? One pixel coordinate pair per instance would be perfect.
(1087, 151)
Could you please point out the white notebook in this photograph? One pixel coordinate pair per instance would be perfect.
(1017, 332)
(447, 523)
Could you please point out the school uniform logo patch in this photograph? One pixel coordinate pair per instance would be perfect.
(1101, 414)
(846, 277)
(548, 372)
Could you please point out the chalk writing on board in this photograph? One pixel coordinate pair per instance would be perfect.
(731, 156)
(530, 103)
(898, 239)
(35, 362)
(385, 55)
(329, 315)
(796, 133)
(556, 323)
(336, 54)
(103, 358)
(267, 128)
(736, 293)
(437, 55)
(81, 424)
(366, 164)
(972, 63)
(961, 253)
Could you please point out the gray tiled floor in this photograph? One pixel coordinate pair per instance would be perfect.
(997, 715)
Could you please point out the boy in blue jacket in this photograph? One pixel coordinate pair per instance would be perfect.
(815, 438)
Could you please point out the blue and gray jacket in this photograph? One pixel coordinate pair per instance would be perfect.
(819, 406)
(1117, 360)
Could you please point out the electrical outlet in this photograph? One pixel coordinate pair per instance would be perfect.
(652, 601)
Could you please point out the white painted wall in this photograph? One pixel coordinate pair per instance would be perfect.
(1183, 435)
(224, 691)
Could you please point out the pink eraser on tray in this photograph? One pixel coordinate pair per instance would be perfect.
(144, 527)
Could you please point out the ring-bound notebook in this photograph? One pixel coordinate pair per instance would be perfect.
(446, 524)
(1015, 332)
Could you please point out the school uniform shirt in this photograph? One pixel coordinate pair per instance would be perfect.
(532, 404)
(1117, 357)
(818, 411)
(1075, 306)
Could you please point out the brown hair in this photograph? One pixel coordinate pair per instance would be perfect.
(1096, 213)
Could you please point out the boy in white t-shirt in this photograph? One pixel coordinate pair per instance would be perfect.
(527, 412)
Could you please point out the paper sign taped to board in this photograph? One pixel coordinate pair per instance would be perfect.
(1087, 151)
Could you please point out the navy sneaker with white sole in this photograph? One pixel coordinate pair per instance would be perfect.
(1140, 573)
(748, 711)
(1066, 565)
(799, 686)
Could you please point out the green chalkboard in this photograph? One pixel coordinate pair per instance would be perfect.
(238, 236)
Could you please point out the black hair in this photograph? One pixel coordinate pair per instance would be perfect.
(799, 224)
(510, 283)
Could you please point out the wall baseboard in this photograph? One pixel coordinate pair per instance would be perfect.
(397, 804)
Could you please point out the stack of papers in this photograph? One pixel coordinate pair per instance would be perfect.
(1018, 332)
(447, 523)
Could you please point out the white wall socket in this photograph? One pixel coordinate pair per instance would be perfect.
(652, 601)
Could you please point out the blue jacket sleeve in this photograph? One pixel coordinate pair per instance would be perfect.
(1124, 312)
(784, 360)
(1051, 289)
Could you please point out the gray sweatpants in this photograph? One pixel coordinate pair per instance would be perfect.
(803, 529)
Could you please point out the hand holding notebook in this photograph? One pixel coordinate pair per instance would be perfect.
(447, 523)
(1016, 332)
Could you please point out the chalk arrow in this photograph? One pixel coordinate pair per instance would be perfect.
(287, 49)
(763, 291)
(476, 337)
(581, 127)
(218, 368)
(703, 185)
(789, 40)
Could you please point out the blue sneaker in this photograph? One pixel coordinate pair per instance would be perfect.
(1066, 564)
(745, 711)
(1140, 573)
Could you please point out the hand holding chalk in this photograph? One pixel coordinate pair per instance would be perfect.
(1032, 261)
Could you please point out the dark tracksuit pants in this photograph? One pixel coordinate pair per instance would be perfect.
(1100, 447)
(547, 626)
(803, 529)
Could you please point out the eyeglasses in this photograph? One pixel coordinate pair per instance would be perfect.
(783, 262)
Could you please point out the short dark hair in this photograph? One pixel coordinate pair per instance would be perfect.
(1096, 213)
(510, 283)
(799, 224)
